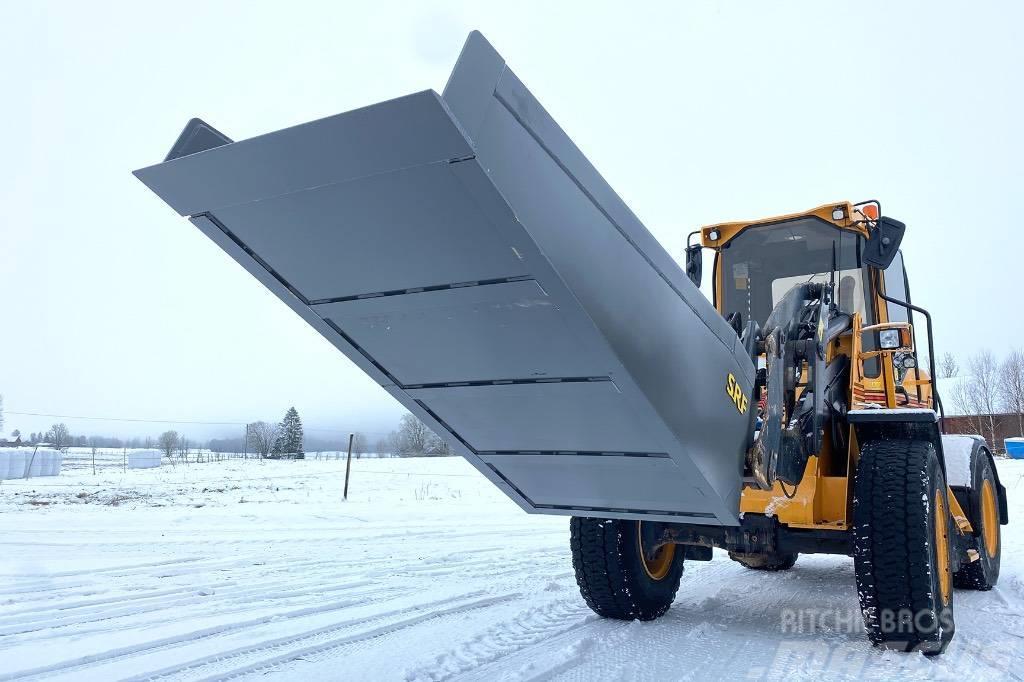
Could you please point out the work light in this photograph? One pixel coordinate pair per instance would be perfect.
(889, 338)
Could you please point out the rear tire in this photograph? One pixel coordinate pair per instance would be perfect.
(774, 561)
(902, 546)
(613, 576)
(983, 574)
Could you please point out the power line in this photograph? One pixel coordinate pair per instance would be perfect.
(123, 419)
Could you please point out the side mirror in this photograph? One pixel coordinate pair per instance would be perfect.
(884, 243)
(694, 263)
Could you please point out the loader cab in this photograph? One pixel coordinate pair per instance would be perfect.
(756, 268)
(756, 263)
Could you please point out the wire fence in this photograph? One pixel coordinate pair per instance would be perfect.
(100, 460)
(194, 472)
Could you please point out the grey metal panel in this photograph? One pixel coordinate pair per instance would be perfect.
(198, 136)
(487, 193)
(653, 317)
(538, 124)
(245, 259)
(511, 330)
(413, 227)
(637, 484)
(589, 416)
(403, 132)
(477, 68)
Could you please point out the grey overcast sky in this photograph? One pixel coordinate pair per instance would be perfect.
(695, 112)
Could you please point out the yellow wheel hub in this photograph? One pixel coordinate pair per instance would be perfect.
(659, 564)
(942, 547)
(989, 518)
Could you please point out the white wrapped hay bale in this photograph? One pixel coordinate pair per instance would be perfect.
(29, 462)
(144, 459)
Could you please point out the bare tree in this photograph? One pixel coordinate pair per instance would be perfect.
(168, 442)
(59, 436)
(1011, 386)
(360, 446)
(413, 436)
(948, 366)
(437, 446)
(262, 436)
(977, 395)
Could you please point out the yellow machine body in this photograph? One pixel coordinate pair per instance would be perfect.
(823, 498)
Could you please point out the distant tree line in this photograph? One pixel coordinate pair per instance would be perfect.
(284, 439)
(989, 395)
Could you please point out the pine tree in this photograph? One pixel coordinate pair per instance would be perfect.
(290, 439)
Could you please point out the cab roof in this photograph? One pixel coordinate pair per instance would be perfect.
(843, 215)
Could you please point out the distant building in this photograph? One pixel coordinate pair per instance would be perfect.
(8, 443)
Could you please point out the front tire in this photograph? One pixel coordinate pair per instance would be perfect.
(902, 546)
(616, 576)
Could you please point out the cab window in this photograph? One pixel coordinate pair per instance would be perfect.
(762, 263)
(896, 287)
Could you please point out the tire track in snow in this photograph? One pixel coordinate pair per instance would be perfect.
(101, 610)
(40, 626)
(24, 614)
(106, 569)
(172, 618)
(194, 596)
(50, 583)
(189, 638)
(285, 538)
(316, 641)
(526, 629)
(253, 574)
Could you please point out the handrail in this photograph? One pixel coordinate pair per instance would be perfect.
(936, 401)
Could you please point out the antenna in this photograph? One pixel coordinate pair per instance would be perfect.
(833, 295)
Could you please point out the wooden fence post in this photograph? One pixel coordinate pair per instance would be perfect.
(348, 464)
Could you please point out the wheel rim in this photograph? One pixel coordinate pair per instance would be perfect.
(659, 565)
(942, 547)
(989, 518)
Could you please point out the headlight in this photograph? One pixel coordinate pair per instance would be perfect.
(889, 339)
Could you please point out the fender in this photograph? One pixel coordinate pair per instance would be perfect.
(910, 423)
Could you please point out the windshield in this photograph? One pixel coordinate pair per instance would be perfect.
(761, 264)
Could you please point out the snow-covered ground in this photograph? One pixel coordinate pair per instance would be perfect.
(242, 569)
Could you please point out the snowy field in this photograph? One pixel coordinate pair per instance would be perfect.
(249, 570)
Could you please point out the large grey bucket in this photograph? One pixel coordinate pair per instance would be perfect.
(465, 254)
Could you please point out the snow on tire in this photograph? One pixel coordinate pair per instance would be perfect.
(902, 546)
(612, 574)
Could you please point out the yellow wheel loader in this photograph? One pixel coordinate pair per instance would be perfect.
(465, 254)
(847, 455)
